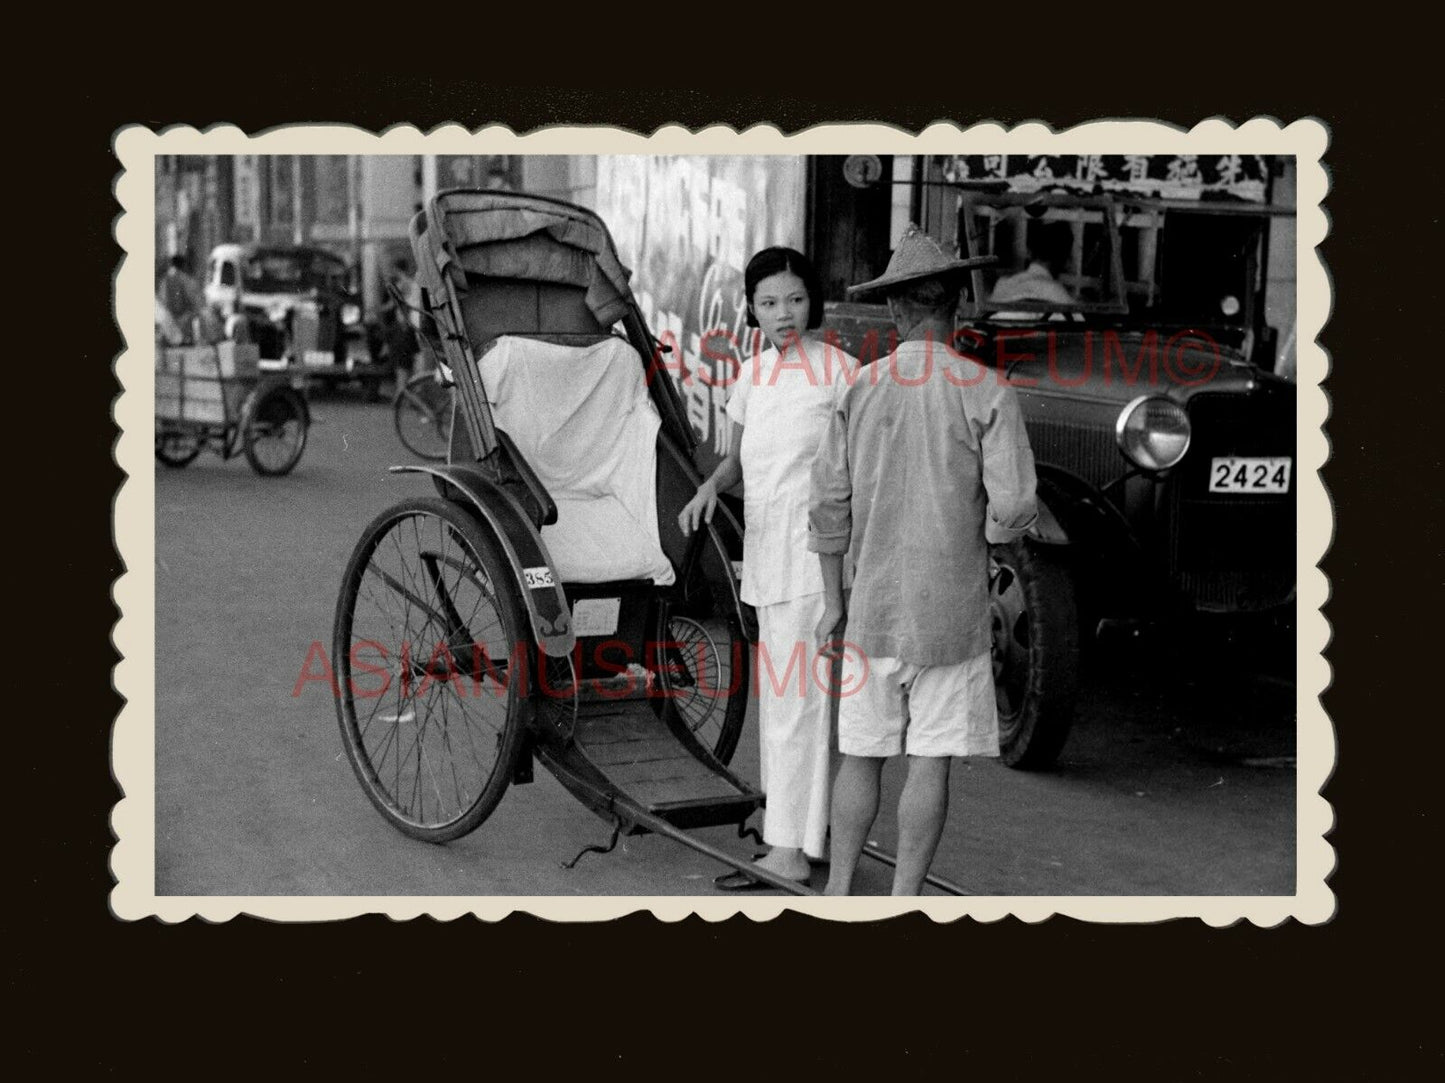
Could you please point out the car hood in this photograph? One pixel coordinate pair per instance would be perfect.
(1091, 362)
(1114, 365)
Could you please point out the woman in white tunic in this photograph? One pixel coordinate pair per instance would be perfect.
(780, 406)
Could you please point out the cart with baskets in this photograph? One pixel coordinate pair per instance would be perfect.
(544, 606)
(219, 397)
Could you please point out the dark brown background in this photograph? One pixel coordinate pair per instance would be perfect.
(1182, 1000)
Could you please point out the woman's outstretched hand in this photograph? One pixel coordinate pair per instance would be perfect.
(699, 509)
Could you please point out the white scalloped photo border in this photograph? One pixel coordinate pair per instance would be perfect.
(133, 858)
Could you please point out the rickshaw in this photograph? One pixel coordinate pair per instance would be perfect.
(205, 398)
(543, 605)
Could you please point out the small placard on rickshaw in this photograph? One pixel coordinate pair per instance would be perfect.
(595, 616)
(318, 359)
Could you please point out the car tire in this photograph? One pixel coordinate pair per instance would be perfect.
(1035, 626)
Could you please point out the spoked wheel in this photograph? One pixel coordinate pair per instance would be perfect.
(705, 658)
(1035, 653)
(423, 416)
(694, 676)
(177, 449)
(275, 434)
(430, 659)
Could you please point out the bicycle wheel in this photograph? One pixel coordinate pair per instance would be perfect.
(275, 434)
(431, 666)
(706, 660)
(177, 449)
(423, 416)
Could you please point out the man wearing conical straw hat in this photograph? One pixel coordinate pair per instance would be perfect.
(923, 464)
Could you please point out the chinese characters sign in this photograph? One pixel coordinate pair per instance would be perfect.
(1168, 176)
(687, 227)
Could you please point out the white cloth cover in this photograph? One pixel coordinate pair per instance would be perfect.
(581, 418)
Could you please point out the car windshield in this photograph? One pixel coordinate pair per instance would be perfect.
(1175, 265)
(1052, 257)
(291, 272)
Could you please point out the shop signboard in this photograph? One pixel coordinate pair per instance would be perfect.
(686, 227)
(1165, 176)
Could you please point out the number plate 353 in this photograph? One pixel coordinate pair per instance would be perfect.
(1246, 476)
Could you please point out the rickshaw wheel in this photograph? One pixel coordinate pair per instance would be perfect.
(275, 433)
(696, 679)
(708, 668)
(177, 449)
(431, 668)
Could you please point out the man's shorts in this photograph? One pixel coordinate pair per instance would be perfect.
(923, 710)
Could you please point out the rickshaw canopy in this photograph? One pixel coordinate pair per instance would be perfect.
(503, 235)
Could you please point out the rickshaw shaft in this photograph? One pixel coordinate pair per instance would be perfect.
(877, 853)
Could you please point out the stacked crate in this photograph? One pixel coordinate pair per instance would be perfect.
(205, 384)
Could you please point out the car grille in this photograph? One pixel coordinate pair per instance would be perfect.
(1232, 553)
(1088, 449)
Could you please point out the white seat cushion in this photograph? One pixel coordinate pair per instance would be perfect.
(581, 417)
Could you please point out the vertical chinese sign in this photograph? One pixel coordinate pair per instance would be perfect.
(687, 226)
(246, 185)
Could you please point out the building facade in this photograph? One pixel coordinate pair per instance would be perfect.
(686, 225)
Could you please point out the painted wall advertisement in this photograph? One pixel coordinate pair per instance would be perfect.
(687, 226)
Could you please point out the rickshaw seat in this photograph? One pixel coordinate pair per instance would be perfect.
(582, 419)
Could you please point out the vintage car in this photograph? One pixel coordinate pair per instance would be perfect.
(1165, 447)
(299, 304)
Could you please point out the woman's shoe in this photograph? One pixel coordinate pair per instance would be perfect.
(742, 880)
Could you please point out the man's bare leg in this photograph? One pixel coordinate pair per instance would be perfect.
(855, 806)
(922, 809)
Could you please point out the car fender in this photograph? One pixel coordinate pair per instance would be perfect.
(533, 572)
(1083, 513)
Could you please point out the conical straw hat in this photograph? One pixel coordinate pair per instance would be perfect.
(918, 256)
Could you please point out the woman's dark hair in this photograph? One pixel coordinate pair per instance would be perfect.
(771, 261)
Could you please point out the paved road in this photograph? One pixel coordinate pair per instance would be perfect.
(1169, 785)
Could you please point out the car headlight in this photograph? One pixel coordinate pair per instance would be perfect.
(1153, 432)
(350, 314)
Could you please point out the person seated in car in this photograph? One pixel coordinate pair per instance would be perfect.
(1050, 246)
